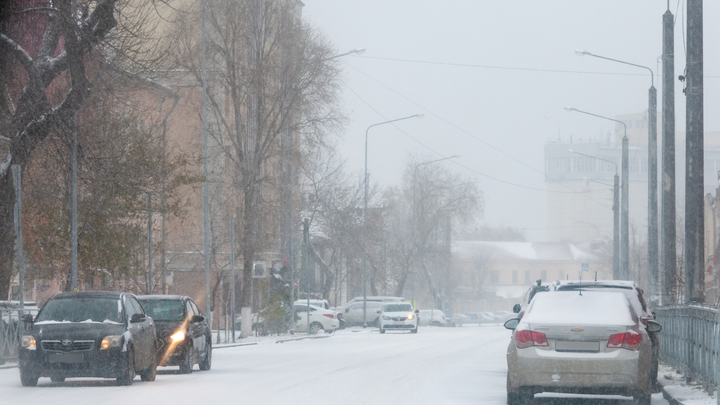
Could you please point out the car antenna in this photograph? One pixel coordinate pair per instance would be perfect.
(580, 288)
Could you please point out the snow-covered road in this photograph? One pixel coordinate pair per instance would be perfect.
(437, 366)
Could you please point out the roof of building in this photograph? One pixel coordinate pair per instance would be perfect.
(532, 251)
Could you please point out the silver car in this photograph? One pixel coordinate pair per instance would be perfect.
(584, 342)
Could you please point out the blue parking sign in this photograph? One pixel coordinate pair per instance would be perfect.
(585, 267)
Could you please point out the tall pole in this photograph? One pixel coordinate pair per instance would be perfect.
(17, 179)
(652, 193)
(616, 227)
(206, 203)
(232, 275)
(73, 211)
(149, 241)
(694, 202)
(669, 259)
(365, 204)
(624, 215)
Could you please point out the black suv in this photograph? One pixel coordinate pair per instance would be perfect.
(183, 333)
(88, 334)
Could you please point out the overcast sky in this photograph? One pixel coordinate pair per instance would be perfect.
(492, 78)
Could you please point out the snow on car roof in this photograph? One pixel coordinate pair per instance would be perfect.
(590, 308)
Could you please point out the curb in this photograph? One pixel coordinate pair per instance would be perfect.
(224, 346)
(672, 400)
(11, 365)
(302, 338)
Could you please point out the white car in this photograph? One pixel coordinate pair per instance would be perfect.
(318, 319)
(353, 314)
(324, 304)
(434, 317)
(398, 316)
(585, 342)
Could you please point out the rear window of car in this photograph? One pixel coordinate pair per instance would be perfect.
(164, 310)
(590, 308)
(81, 309)
(397, 307)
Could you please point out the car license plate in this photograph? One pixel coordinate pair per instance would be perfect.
(66, 358)
(574, 346)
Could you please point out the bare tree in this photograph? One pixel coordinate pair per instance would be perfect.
(268, 73)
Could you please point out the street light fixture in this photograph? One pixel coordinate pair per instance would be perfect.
(653, 265)
(358, 51)
(616, 213)
(624, 217)
(365, 211)
(415, 211)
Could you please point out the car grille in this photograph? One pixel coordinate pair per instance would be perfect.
(74, 346)
(399, 318)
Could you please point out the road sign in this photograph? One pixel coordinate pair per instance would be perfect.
(585, 267)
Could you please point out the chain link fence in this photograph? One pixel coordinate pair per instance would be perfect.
(690, 342)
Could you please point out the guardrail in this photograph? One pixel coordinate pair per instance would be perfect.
(690, 342)
(11, 330)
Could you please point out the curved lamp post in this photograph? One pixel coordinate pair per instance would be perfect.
(365, 199)
(653, 258)
(624, 217)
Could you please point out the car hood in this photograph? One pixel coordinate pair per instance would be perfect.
(76, 330)
(401, 313)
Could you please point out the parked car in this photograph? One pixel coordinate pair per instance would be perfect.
(89, 334)
(319, 319)
(462, 319)
(183, 333)
(590, 342)
(537, 287)
(373, 298)
(482, 318)
(434, 317)
(634, 295)
(398, 316)
(324, 304)
(353, 313)
(502, 316)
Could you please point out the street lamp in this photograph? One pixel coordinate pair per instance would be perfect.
(415, 210)
(365, 212)
(616, 215)
(624, 217)
(653, 265)
(358, 51)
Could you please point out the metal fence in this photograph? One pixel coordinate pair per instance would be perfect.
(11, 330)
(690, 342)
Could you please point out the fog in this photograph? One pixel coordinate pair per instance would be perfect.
(492, 79)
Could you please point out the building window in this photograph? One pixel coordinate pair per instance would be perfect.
(494, 277)
(543, 275)
(558, 165)
(583, 165)
(515, 277)
(527, 277)
(561, 275)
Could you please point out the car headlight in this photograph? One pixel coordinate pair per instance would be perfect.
(111, 341)
(386, 318)
(28, 342)
(411, 317)
(178, 336)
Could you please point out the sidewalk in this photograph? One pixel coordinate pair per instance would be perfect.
(678, 392)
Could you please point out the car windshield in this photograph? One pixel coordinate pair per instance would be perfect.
(398, 307)
(85, 309)
(164, 310)
(590, 308)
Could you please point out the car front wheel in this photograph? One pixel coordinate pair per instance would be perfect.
(207, 360)
(129, 373)
(28, 380)
(382, 330)
(187, 365)
(315, 328)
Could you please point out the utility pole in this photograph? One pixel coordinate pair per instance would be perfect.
(694, 181)
(17, 179)
(625, 217)
(149, 241)
(206, 203)
(652, 192)
(616, 226)
(669, 257)
(232, 274)
(306, 266)
(73, 210)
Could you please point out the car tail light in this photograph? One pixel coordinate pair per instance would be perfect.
(329, 315)
(628, 340)
(527, 338)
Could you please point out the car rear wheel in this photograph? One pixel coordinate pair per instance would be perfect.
(436, 323)
(28, 380)
(315, 328)
(187, 365)
(57, 379)
(206, 363)
(129, 374)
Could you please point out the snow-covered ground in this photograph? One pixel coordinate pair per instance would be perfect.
(437, 366)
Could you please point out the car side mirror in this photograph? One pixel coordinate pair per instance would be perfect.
(197, 318)
(417, 312)
(347, 309)
(653, 326)
(516, 308)
(27, 318)
(137, 318)
(511, 323)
